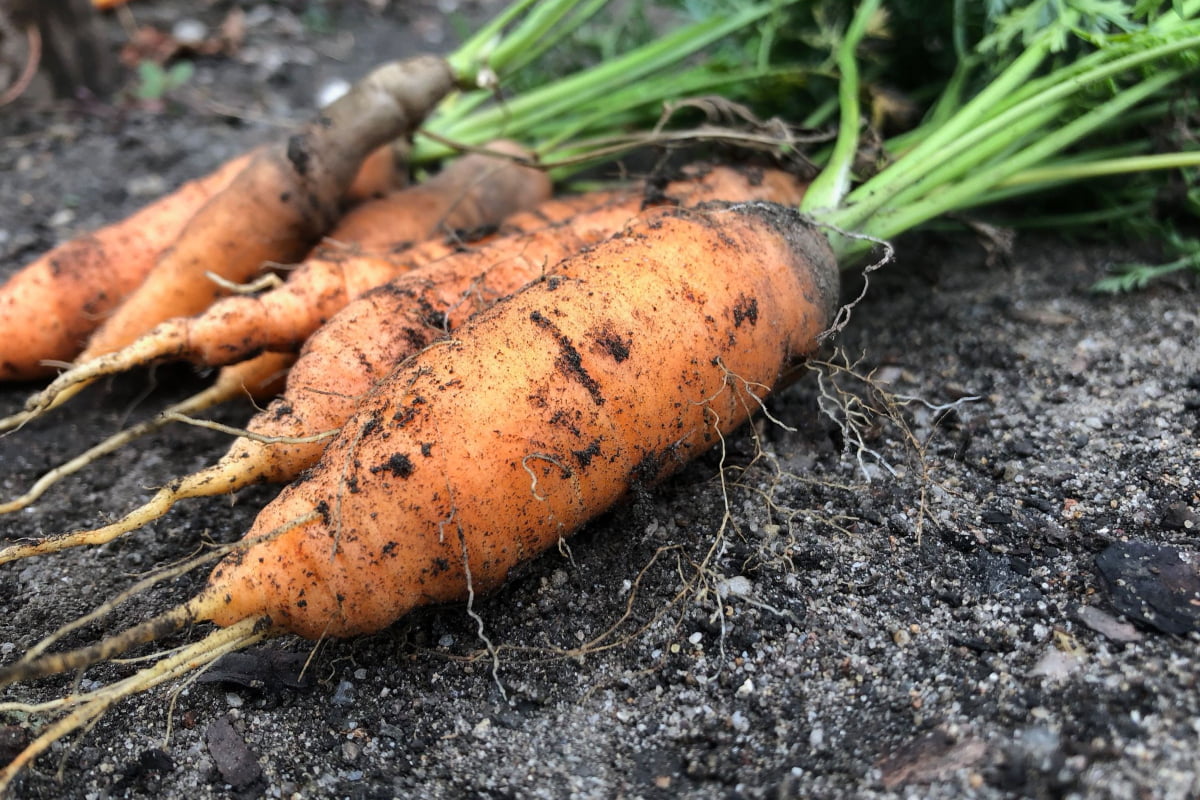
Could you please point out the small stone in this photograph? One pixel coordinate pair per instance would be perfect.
(344, 694)
(351, 751)
(482, 729)
(738, 586)
(331, 91)
(189, 31)
(151, 185)
(1108, 625)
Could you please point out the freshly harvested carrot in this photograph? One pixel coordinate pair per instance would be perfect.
(538, 415)
(340, 363)
(236, 327)
(475, 191)
(49, 307)
(285, 199)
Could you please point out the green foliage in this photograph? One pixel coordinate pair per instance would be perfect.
(1134, 276)
(155, 82)
(1019, 23)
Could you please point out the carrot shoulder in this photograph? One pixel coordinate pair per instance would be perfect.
(535, 417)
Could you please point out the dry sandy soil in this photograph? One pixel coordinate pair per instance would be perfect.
(921, 616)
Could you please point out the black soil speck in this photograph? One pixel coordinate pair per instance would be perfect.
(570, 362)
(746, 310)
(400, 465)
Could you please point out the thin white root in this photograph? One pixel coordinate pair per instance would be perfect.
(178, 416)
(260, 284)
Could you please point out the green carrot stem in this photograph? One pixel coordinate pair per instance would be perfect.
(831, 185)
(894, 180)
(903, 218)
(554, 100)
(540, 33)
(468, 58)
(1057, 173)
(872, 195)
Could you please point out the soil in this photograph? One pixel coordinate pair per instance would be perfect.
(904, 605)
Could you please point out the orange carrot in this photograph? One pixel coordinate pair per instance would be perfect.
(536, 416)
(475, 191)
(539, 414)
(48, 308)
(341, 361)
(281, 203)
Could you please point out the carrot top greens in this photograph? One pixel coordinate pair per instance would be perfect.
(1052, 93)
(1073, 108)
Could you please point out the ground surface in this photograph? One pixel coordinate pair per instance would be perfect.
(938, 632)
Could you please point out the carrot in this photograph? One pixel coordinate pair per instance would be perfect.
(236, 327)
(285, 199)
(473, 192)
(535, 417)
(538, 415)
(48, 308)
(340, 362)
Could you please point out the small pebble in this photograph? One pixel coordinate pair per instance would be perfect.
(344, 694)
(189, 31)
(332, 90)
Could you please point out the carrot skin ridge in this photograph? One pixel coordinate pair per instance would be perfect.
(539, 414)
